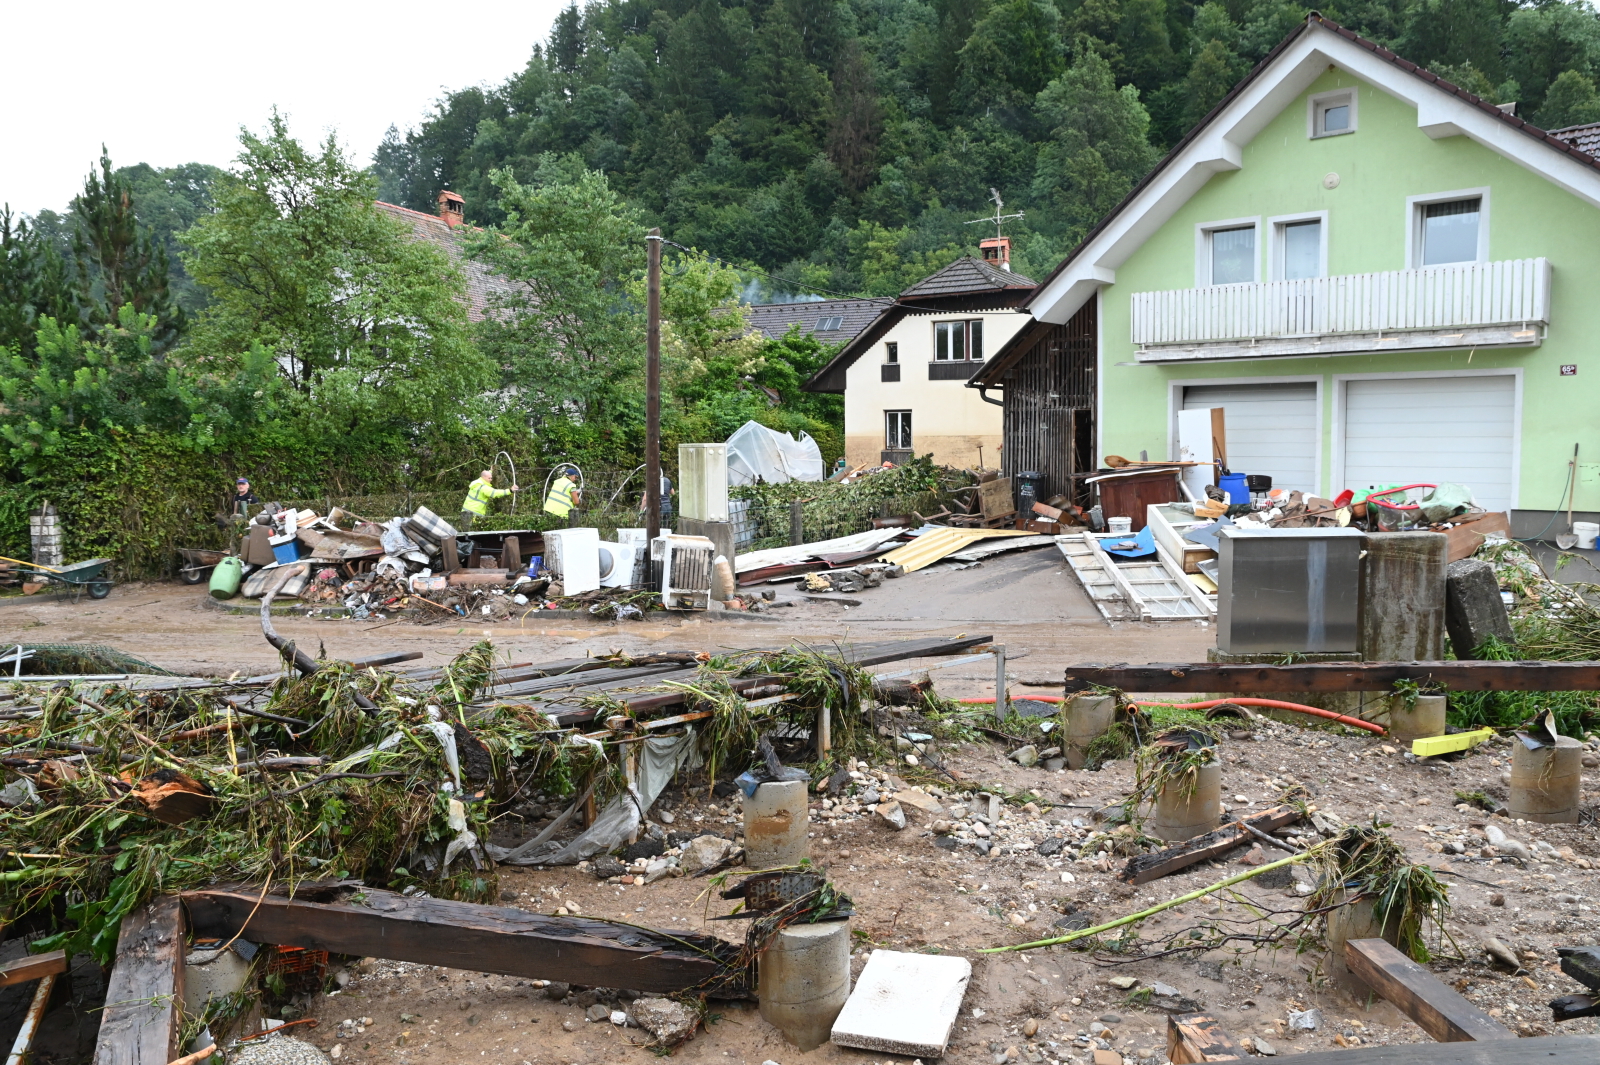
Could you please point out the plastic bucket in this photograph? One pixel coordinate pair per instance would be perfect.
(1119, 526)
(1586, 532)
(1235, 486)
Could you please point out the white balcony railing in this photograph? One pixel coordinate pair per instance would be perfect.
(1349, 313)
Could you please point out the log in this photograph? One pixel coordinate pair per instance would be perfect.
(1193, 1038)
(33, 967)
(140, 1023)
(1339, 676)
(1420, 995)
(463, 935)
(1143, 868)
(1543, 1050)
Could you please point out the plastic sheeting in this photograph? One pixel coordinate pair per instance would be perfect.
(758, 453)
(659, 762)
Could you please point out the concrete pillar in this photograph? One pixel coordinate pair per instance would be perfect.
(1355, 920)
(1088, 717)
(1426, 718)
(1546, 782)
(1473, 609)
(1402, 597)
(804, 981)
(1183, 813)
(775, 821)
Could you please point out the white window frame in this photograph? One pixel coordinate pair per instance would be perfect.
(1320, 102)
(891, 352)
(1176, 385)
(1340, 401)
(909, 425)
(1414, 221)
(1202, 249)
(966, 325)
(1276, 226)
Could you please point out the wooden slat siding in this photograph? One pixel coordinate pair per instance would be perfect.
(1049, 400)
(1420, 995)
(1339, 676)
(1537, 1050)
(139, 1025)
(33, 967)
(464, 935)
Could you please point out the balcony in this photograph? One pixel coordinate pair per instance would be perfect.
(1467, 305)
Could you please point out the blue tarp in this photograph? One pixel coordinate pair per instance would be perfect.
(1144, 542)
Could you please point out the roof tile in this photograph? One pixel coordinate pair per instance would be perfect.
(967, 275)
(482, 283)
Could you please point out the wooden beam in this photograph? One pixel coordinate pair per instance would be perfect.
(1194, 1038)
(1339, 676)
(1571, 1007)
(1420, 995)
(1144, 868)
(1539, 1050)
(1582, 964)
(144, 995)
(463, 935)
(33, 967)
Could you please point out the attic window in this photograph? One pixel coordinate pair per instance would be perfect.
(828, 325)
(1333, 113)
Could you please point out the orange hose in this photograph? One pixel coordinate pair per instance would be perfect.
(1278, 704)
(989, 700)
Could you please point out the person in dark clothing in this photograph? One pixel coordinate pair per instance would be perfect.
(243, 498)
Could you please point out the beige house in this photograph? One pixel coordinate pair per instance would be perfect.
(903, 377)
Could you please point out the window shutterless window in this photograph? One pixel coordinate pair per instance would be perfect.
(891, 351)
(958, 341)
(1333, 113)
(1233, 255)
(1450, 231)
(1302, 249)
(897, 429)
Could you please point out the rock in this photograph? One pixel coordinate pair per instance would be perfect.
(656, 870)
(556, 990)
(1305, 1020)
(1123, 983)
(920, 800)
(942, 828)
(1054, 764)
(648, 847)
(1025, 756)
(1050, 847)
(619, 1018)
(597, 1013)
(1031, 1027)
(703, 853)
(1473, 609)
(605, 867)
(668, 1021)
(892, 815)
(980, 830)
(1501, 953)
(946, 843)
(1590, 761)
(1265, 1049)
(871, 796)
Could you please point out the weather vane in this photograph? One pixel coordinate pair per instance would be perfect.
(998, 219)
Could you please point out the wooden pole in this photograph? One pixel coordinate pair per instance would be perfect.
(652, 388)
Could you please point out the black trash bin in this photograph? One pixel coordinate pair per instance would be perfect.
(1027, 489)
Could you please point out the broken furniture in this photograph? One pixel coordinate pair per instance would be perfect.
(1131, 491)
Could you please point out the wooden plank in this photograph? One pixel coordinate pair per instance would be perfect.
(462, 935)
(1144, 868)
(139, 1025)
(392, 658)
(1420, 995)
(23, 1044)
(1339, 676)
(1582, 964)
(33, 967)
(1538, 1050)
(1193, 1038)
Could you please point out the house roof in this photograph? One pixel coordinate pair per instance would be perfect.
(1585, 138)
(965, 276)
(1216, 144)
(481, 282)
(775, 319)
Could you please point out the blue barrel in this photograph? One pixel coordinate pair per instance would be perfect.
(225, 578)
(1233, 484)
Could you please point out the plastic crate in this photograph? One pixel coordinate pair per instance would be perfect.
(290, 961)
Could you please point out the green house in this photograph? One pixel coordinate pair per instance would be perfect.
(1380, 278)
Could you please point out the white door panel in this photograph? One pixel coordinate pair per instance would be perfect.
(1271, 428)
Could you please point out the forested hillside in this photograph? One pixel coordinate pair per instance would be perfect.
(844, 143)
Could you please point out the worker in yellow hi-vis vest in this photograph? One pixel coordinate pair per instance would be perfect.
(479, 494)
(563, 495)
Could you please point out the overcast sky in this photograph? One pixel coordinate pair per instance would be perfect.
(170, 81)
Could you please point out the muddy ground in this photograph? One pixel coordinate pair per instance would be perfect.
(912, 894)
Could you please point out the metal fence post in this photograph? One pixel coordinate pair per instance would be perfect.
(1002, 700)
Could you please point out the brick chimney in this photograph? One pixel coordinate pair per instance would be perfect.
(452, 208)
(996, 251)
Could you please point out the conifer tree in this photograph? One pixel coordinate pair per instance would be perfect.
(119, 262)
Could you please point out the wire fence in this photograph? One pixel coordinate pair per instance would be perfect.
(758, 526)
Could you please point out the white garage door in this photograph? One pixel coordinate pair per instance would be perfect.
(1271, 428)
(1432, 430)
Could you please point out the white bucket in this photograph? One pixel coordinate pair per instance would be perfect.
(1124, 526)
(1586, 532)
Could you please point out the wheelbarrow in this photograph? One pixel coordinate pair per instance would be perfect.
(197, 562)
(88, 576)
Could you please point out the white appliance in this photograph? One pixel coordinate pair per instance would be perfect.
(616, 564)
(573, 555)
(684, 563)
(639, 540)
(703, 481)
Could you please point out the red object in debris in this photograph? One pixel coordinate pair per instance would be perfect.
(1277, 704)
(1343, 499)
(1377, 497)
(289, 960)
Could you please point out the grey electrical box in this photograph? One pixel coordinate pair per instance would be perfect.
(1281, 591)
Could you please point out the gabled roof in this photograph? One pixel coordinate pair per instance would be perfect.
(481, 282)
(1585, 138)
(1217, 144)
(774, 319)
(965, 276)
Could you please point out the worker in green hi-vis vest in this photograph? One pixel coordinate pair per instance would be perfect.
(563, 495)
(479, 494)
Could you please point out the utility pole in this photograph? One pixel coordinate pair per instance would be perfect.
(652, 388)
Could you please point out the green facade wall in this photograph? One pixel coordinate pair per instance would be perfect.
(1385, 161)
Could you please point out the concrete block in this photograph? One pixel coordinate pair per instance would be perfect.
(1403, 597)
(775, 823)
(804, 980)
(1473, 609)
(904, 1004)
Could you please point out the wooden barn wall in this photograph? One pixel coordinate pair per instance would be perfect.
(1049, 408)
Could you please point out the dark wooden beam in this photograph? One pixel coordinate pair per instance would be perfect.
(139, 1025)
(1582, 964)
(463, 935)
(33, 967)
(1195, 1038)
(1420, 995)
(1144, 868)
(1539, 1050)
(1571, 1007)
(389, 659)
(1339, 676)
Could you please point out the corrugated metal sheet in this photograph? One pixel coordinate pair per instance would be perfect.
(930, 547)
